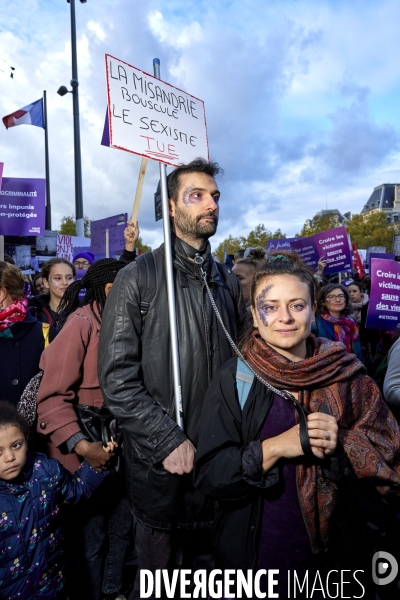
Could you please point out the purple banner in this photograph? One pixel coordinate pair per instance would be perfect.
(282, 244)
(306, 249)
(333, 245)
(384, 300)
(115, 226)
(22, 206)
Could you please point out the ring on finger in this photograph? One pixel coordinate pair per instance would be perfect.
(328, 436)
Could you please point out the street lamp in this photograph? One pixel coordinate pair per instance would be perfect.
(62, 91)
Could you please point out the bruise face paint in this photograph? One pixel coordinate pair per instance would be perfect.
(260, 300)
(188, 198)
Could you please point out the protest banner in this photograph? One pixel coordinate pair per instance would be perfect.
(333, 245)
(22, 206)
(306, 249)
(375, 250)
(281, 244)
(384, 301)
(115, 225)
(46, 246)
(21, 255)
(151, 118)
(69, 245)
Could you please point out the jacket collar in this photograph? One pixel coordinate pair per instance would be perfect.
(22, 328)
(182, 255)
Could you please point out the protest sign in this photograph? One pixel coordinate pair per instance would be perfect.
(384, 301)
(281, 244)
(69, 245)
(306, 249)
(375, 250)
(333, 245)
(22, 206)
(21, 256)
(115, 226)
(150, 117)
(46, 245)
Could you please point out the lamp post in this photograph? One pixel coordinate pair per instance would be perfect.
(77, 136)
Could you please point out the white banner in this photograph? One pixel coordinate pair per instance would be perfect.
(149, 117)
(69, 245)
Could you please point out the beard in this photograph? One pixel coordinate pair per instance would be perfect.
(190, 226)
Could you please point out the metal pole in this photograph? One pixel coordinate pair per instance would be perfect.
(1, 247)
(77, 138)
(46, 156)
(170, 283)
(107, 243)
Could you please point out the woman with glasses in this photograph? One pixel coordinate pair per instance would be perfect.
(333, 320)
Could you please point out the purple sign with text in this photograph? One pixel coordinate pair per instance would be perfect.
(115, 226)
(282, 244)
(384, 301)
(333, 245)
(306, 249)
(22, 206)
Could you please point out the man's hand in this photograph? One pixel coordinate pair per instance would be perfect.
(94, 454)
(131, 234)
(181, 459)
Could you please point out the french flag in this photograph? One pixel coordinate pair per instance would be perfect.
(28, 115)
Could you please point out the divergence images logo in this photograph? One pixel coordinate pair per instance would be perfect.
(384, 568)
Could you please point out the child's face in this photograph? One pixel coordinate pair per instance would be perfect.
(13, 449)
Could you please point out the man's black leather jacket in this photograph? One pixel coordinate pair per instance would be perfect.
(135, 373)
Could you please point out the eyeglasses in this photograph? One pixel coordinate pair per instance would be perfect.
(83, 263)
(332, 298)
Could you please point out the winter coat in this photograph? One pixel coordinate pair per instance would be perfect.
(69, 367)
(19, 357)
(135, 373)
(228, 468)
(40, 308)
(31, 544)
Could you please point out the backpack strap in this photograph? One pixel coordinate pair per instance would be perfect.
(147, 280)
(244, 381)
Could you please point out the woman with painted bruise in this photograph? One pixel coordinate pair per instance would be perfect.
(278, 509)
(333, 319)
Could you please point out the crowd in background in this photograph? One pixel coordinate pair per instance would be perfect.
(49, 342)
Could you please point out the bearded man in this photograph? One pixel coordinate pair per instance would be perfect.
(135, 371)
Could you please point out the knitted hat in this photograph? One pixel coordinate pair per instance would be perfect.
(85, 255)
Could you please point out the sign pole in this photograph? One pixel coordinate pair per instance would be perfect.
(1, 247)
(107, 243)
(170, 282)
(139, 189)
(46, 156)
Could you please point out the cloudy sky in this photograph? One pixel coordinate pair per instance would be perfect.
(301, 98)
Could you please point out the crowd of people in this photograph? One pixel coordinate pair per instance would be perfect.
(289, 458)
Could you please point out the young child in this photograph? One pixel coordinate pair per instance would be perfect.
(33, 491)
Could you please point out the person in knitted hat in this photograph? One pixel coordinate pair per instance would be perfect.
(83, 260)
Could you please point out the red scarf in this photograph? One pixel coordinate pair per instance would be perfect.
(332, 381)
(13, 313)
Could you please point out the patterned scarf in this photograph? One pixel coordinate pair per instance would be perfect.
(345, 329)
(13, 313)
(332, 381)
